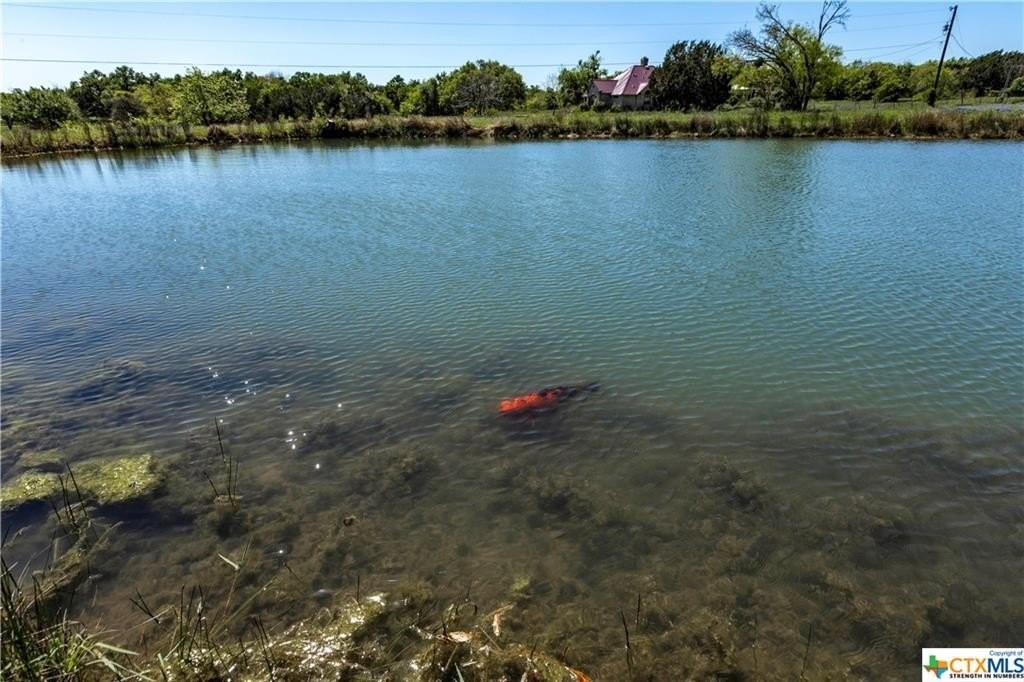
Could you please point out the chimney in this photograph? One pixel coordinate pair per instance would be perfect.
(643, 61)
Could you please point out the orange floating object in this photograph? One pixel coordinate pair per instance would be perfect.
(542, 400)
(538, 400)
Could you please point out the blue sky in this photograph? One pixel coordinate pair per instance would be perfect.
(416, 39)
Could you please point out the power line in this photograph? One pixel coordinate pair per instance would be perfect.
(893, 14)
(921, 51)
(435, 23)
(905, 47)
(957, 41)
(889, 28)
(928, 46)
(886, 47)
(336, 20)
(282, 66)
(375, 44)
(331, 42)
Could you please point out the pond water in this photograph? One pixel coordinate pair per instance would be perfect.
(805, 453)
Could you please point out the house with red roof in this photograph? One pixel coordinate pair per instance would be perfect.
(628, 90)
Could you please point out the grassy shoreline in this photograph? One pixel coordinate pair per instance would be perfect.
(857, 124)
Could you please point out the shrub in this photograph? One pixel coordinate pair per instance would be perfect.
(44, 108)
(217, 135)
(924, 123)
(758, 103)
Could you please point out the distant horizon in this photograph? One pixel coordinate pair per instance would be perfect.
(419, 40)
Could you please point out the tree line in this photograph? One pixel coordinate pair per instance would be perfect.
(784, 65)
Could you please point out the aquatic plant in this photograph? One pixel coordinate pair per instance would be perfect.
(230, 468)
(40, 641)
(40, 646)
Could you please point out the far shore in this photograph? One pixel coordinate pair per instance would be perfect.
(939, 124)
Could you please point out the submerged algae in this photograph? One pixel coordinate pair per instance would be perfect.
(108, 482)
(27, 488)
(120, 480)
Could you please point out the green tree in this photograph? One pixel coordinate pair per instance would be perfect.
(360, 99)
(318, 94)
(797, 53)
(482, 86)
(573, 83)
(893, 88)
(691, 77)
(88, 91)
(37, 107)
(922, 78)
(761, 84)
(396, 90)
(860, 80)
(94, 91)
(218, 97)
(424, 98)
(159, 99)
(539, 99)
(269, 97)
(125, 105)
(992, 71)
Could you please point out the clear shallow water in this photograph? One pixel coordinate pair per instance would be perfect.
(810, 357)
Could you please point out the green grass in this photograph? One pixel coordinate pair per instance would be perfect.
(830, 120)
(40, 642)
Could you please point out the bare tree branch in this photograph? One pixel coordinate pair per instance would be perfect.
(832, 12)
(779, 40)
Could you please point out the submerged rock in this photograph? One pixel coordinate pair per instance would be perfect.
(741, 490)
(42, 460)
(28, 488)
(397, 474)
(345, 436)
(120, 480)
(109, 380)
(21, 436)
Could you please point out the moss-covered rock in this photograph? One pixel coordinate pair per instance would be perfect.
(105, 481)
(27, 488)
(120, 480)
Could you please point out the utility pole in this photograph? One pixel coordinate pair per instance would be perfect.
(935, 88)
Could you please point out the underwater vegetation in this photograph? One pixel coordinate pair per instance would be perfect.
(105, 481)
(404, 543)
